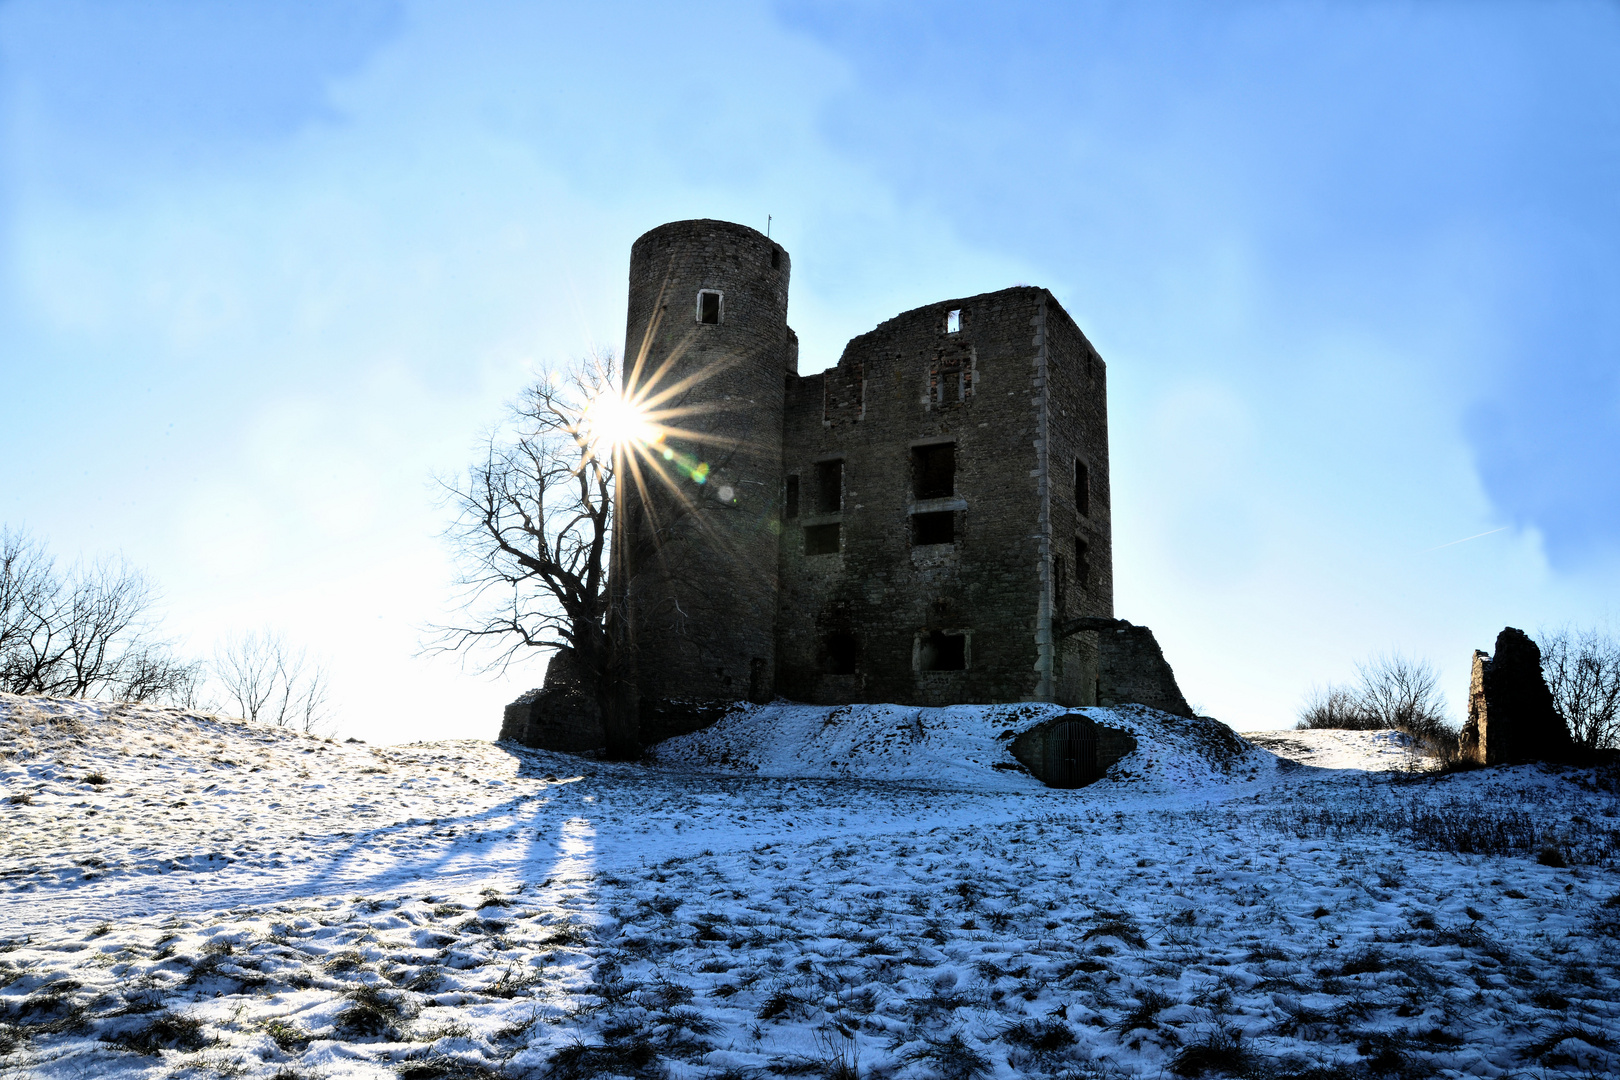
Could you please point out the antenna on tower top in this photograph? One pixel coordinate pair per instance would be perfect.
(767, 226)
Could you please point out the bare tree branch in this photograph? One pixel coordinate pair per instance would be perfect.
(533, 532)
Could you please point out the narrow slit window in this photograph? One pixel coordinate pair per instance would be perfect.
(829, 487)
(940, 651)
(1082, 565)
(1082, 487)
(708, 307)
(933, 528)
(791, 511)
(822, 539)
(776, 258)
(933, 471)
(953, 321)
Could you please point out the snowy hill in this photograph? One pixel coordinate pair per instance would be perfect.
(965, 746)
(781, 895)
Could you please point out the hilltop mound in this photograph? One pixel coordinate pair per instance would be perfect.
(960, 746)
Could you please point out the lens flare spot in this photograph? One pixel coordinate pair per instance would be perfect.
(700, 475)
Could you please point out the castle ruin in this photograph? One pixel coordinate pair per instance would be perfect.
(928, 522)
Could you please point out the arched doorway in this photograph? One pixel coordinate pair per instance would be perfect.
(1071, 754)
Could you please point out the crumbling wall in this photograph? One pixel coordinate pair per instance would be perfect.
(1132, 669)
(561, 715)
(1511, 715)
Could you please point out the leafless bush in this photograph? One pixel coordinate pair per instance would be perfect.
(268, 681)
(1404, 694)
(1392, 692)
(1335, 707)
(88, 631)
(1582, 668)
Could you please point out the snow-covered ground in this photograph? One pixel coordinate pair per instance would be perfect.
(872, 891)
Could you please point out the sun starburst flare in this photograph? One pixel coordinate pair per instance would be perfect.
(613, 422)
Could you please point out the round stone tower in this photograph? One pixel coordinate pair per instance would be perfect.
(707, 327)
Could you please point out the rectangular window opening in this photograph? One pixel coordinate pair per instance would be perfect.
(934, 528)
(943, 652)
(829, 487)
(953, 321)
(1082, 487)
(840, 653)
(950, 381)
(791, 511)
(933, 471)
(822, 539)
(708, 306)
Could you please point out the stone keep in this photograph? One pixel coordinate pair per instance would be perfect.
(927, 522)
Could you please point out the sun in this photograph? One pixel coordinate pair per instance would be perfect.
(613, 422)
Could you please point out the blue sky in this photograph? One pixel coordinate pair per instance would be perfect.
(1355, 268)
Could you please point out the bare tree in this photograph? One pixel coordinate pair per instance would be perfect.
(1392, 692)
(88, 631)
(1404, 694)
(534, 534)
(270, 682)
(1582, 668)
(28, 593)
(151, 673)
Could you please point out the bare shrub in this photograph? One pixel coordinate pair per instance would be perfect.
(1334, 707)
(1403, 694)
(1582, 668)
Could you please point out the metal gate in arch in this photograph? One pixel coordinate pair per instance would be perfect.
(1071, 754)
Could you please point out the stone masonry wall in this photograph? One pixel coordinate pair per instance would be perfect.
(1511, 714)
(1134, 670)
(854, 624)
(561, 715)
